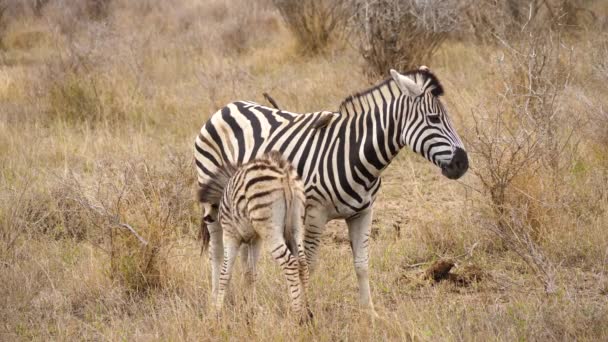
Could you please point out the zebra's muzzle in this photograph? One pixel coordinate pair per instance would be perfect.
(458, 166)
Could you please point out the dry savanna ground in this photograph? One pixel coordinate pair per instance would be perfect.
(100, 102)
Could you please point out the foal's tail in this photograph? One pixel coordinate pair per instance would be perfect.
(294, 215)
(203, 233)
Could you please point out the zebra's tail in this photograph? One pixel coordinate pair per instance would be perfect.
(294, 213)
(204, 236)
(210, 194)
(203, 233)
(288, 232)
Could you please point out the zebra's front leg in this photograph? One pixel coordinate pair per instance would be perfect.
(314, 226)
(359, 229)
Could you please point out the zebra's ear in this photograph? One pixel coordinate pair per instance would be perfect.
(406, 84)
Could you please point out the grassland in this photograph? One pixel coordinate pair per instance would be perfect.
(98, 114)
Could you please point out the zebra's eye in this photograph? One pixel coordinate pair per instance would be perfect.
(434, 118)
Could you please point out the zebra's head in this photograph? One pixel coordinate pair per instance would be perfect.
(427, 128)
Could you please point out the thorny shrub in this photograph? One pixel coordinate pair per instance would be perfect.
(249, 24)
(133, 212)
(138, 209)
(486, 19)
(523, 145)
(315, 23)
(78, 83)
(402, 34)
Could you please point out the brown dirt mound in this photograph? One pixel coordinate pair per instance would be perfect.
(440, 270)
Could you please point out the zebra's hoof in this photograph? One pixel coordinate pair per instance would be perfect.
(307, 317)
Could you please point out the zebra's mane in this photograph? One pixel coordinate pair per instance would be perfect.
(423, 76)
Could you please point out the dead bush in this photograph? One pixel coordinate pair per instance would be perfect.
(3, 24)
(78, 83)
(402, 34)
(31, 209)
(133, 214)
(97, 9)
(51, 213)
(75, 100)
(315, 23)
(16, 24)
(72, 16)
(504, 151)
(600, 57)
(523, 145)
(46, 211)
(486, 19)
(248, 25)
(18, 9)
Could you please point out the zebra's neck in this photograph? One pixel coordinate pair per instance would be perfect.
(376, 116)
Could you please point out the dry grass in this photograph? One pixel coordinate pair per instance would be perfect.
(97, 120)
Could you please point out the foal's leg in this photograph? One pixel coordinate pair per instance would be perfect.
(251, 273)
(231, 249)
(297, 220)
(291, 270)
(245, 263)
(252, 257)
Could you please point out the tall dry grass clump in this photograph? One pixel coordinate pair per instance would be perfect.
(15, 217)
(402, 34)
(315, 24)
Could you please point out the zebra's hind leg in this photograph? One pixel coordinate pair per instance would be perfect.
(216, 253)
(255, 246)
(291, 269)
(359, 229)
(297, 221)
(231, 249)
(304, 279)
(244, 252)
(252, 257)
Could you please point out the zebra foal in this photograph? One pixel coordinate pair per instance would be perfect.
(261, 200)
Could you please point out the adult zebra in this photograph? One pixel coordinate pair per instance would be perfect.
(340, 156)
